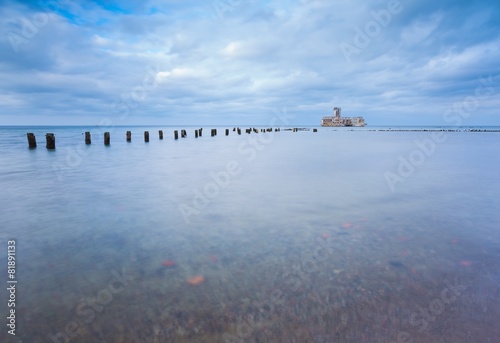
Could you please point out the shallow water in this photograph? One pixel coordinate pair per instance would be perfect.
(299, 236)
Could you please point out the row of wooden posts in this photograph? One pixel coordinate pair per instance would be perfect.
(51, 139)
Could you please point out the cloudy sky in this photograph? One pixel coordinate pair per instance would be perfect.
(231, 62)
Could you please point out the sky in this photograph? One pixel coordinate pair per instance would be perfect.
(237, 62)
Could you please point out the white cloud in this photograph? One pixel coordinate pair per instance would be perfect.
(421, 29)
(261, 55)
(452, 63)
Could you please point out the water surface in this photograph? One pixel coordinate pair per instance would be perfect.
(299, 236)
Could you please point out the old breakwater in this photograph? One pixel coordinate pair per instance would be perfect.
(50, 138)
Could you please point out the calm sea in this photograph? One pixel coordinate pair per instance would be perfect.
(344, 235)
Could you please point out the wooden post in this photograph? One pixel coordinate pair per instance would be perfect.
(234, 129)
(176, 134)
(31, 140)
(239, 131)
(129, 136)
(87, 138)
(227, 132)
(160, 134)
(200, 131)
(51, 141)
(195, 133)
(107, 138)
(183, 134)
(146, 136)
(315, 130)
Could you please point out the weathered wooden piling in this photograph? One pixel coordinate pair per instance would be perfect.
(234, 129)
(227, 132)
(160, 134)
(51, 141)
(315, 130)
(107, 138)
(239, 131)
(176, 134)
(129, 136)
(31, 140)
(195, 133)
(183, 134)
(88, 139)
(248, 130)
(146, 136)
(200, 131)
(255, 130)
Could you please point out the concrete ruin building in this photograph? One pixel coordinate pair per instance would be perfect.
(338, 120)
